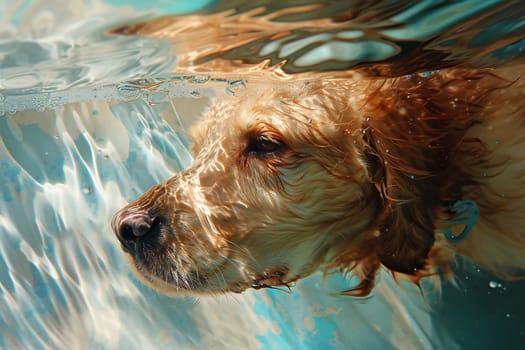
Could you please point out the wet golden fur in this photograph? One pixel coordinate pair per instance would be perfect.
(347, 174)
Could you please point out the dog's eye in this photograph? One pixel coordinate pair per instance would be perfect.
(264, 144)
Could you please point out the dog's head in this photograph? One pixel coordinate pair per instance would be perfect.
(285, 179)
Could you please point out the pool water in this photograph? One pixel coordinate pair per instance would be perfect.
(83, 131)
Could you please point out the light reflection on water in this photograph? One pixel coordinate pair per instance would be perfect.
(64, 281)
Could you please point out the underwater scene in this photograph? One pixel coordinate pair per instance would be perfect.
(100, 102)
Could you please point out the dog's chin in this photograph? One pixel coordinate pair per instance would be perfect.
(178, 281)
(183, 280)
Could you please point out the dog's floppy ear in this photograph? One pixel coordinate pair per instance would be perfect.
(410, 133)
(406, 222)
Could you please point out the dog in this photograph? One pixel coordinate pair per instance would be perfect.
(350, 175)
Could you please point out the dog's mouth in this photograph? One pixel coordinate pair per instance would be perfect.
(274, 278)
(184, 277)
(176, 260)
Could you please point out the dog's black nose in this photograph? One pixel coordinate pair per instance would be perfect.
(130, 227)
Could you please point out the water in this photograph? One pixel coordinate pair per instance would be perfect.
(89, 121)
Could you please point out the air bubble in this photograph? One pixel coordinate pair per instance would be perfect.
(200, 79)
(494, 285)
(195, 93)
(128, 92)
(236, 88)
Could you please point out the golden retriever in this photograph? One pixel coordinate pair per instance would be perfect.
(349, 174)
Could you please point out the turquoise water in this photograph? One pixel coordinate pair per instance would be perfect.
(80, 136)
